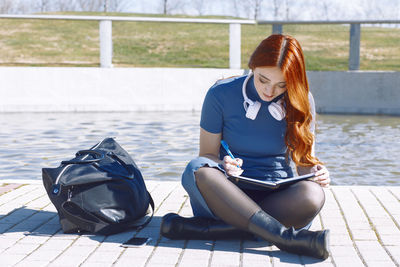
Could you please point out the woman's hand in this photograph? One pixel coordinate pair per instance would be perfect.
(232, 166)
(321, 174)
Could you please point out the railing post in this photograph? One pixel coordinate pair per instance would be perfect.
(106, 45)
(277, 28)
(234, 46)
(354, 50)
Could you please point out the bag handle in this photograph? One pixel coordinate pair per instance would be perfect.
(121, 162)
(151, 202)
(90, 223)
(99, 155)
(80, 217)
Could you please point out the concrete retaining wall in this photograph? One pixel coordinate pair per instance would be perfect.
(357, 92)
(25, 89)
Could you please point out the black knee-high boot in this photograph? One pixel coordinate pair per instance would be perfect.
(301, 242)
(174, 226)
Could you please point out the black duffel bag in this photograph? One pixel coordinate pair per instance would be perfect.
(100, 191)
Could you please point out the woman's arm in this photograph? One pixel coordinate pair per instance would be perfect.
(321, 172)
(209, 145)
(209, 148)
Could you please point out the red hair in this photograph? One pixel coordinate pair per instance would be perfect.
(285, 52)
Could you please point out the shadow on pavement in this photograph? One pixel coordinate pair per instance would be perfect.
(45, 223)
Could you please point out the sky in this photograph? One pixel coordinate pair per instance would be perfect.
(299, 9)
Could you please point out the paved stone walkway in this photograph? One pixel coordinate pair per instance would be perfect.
(364, 223)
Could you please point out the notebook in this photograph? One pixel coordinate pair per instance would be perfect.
(269, 184)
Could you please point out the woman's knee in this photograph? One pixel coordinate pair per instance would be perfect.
(204, 174)
(313, 195)
(188, 176)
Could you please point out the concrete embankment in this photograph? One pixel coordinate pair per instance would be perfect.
(45, 89)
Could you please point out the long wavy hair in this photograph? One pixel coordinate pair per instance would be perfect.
(285, 52)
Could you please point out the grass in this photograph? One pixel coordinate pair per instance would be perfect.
(144, 44)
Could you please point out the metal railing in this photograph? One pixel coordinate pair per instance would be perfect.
(355, 34)
(106, 44)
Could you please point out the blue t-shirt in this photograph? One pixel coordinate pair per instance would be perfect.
(260, 142)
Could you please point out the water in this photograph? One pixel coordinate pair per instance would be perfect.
(362, 150)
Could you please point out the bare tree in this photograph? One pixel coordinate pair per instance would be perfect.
(106, 5)
(118, 5)
(44, 5)
(277, 4)
(23, 7)
(287, 9)
(252, 8)
(6, 6)
(373, 9)
(236, 8)
(90, 5)
(247, 7)
(199, 6)
(165, 4)
(325, 8)
(257, 5)
(64, 5)
(171, 6)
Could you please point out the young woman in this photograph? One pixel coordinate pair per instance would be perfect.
(268, 119)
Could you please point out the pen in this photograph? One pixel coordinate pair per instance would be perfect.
(226, 147)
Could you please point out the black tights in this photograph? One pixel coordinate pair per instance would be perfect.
(295, 205)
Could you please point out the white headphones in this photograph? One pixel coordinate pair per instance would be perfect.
(276, 109)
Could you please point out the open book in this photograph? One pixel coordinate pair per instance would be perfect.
(269, 184)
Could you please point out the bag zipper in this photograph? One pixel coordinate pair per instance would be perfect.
(56, 187)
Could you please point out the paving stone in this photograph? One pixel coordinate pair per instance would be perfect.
(37, 231)
(343, 251)
(387, 230)
(5, 226)
(372, 251)
(391, 239)
(68, 260)
(7, 242)
(34, 239)
(195, 256)
(136, 261)
(265, 262)
(395, 252)
(163, 258)
(340, 239)
(223, 258)
(381, 263)
(79, 250)
(361, 234)
(32, 263)
(61, 236)
(348, 261)
(12, 235)
(136, 252)
(109, 247)
(43, 254)
(319, 264)
(103, 256)
(88, 240)
(57, 244)
(21, 248)
(193, 262)
(10, 259)
(281, 258)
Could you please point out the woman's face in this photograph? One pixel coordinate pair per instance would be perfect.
(269, 82)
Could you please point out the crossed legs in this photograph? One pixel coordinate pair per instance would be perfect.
(295, 206)
(273, 218)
